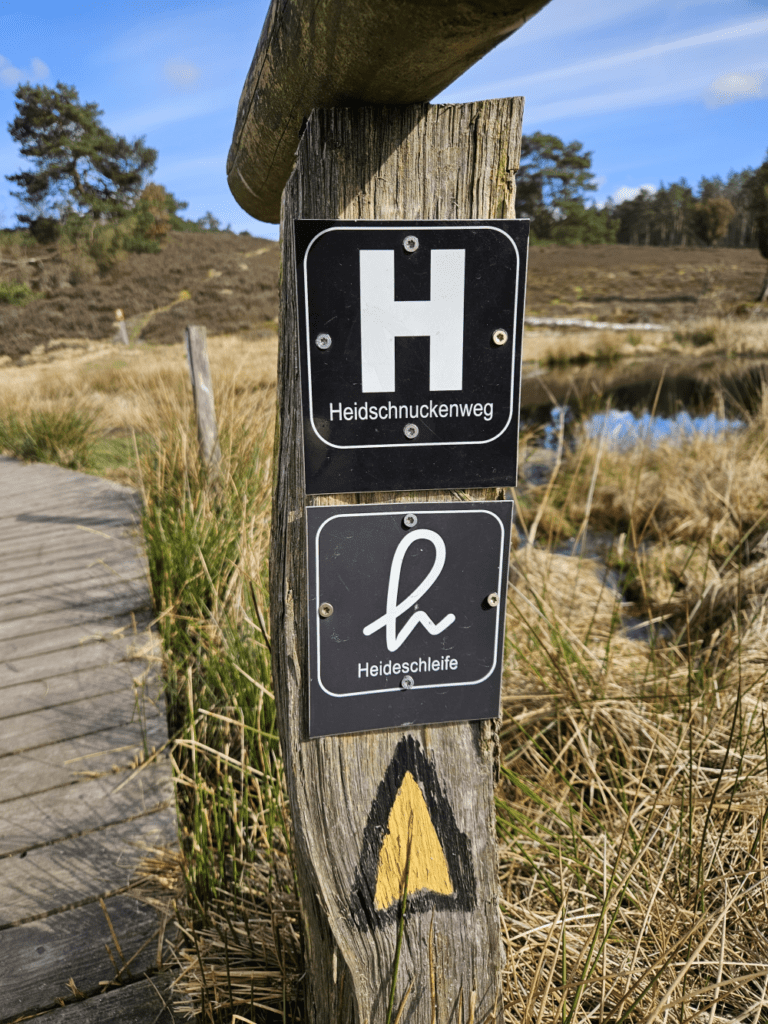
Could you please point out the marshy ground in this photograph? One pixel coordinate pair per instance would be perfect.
(633, 795)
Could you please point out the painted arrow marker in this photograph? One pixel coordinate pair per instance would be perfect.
(411, 826)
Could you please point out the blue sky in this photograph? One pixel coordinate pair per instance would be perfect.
(657, 90)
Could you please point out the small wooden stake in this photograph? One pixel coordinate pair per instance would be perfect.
(122, 330)
(350, 792)
(202, 392)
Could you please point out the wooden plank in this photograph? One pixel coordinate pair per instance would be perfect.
(78, 656)
(85, 593)
(144, 1002)
(25, 698)
(442, 162)
(78, 718)
(24, 475)
(37, 480)
(94, 631)
(332, 53)
(82, 807)
(79, 869)
(38, 959)
(26, 509)
(83, 614)
(46, 547)
(59, 764)
(70, 571)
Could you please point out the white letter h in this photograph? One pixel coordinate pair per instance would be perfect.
(441, 318)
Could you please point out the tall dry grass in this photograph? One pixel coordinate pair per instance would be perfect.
(633, 795)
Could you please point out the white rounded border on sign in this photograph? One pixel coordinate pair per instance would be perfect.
(378, 226)
(397, 510)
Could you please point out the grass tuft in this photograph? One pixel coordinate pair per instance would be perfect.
(63, 436)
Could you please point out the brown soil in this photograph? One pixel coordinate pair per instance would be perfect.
(641, 284)
(226, 282)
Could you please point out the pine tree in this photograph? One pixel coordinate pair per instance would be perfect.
(552, 183)
(78, 166)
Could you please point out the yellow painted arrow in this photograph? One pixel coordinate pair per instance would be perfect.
(409, 823)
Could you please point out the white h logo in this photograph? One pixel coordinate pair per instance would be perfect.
(441, 317)
(388, 621)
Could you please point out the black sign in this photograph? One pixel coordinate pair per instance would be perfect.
(411, 346)
(406, 613)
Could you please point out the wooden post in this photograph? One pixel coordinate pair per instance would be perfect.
(316, 54)
(202, 393)
(412, 162)
(122, 330)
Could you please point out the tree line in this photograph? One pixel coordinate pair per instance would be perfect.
(555, 180)
(81, 174)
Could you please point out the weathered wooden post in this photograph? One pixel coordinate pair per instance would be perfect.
(121, 333)
(202, 394)
(392, 783)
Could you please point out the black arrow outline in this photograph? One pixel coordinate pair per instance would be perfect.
(409, 757)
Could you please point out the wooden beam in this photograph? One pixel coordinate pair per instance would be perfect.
(416, 162)
(343, 53)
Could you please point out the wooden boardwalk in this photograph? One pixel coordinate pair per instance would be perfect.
(79, 709)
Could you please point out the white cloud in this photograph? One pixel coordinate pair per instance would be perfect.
(625, 193)
(577, 72)
(39, 68)
(182, 73)
(11, 76)
(733, 87)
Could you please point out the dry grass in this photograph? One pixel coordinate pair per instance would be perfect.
(633, 799)
(699, 336)
(634, 794)
(133, 387)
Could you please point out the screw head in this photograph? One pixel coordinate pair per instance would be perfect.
(500, 336)
(410, 243)
(410, 519)
(323, 341)
(411, 430)
(492, 600)
(325, 610)
(407, 682)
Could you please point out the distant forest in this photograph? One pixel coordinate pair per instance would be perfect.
(555, 179)
(671, 215)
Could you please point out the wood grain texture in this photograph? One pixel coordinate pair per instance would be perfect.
(415, 162)
(83, 757)
(79, 869)
(39, 958)
(81, 707)
(32, 665)
(58, 690)
(90, 804)
(332, 53)
(76, 718)
(145, 1002)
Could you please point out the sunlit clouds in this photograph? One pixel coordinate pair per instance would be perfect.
(182, 73)
(731, 88)
(625, 193)
(10, 76)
